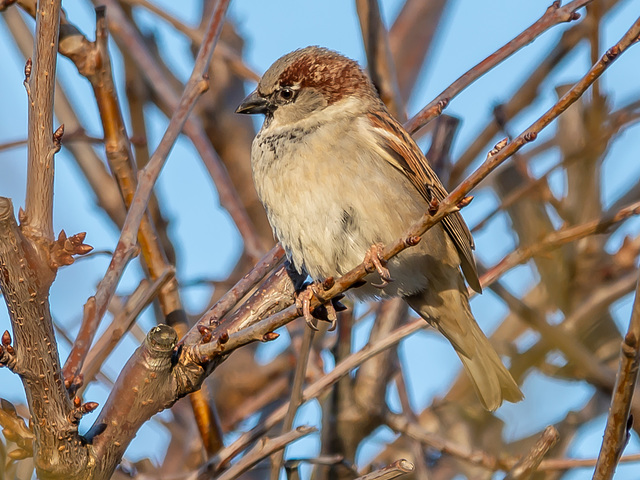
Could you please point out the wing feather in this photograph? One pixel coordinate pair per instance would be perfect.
(404, 154)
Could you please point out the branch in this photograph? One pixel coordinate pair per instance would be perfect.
(395, 470)
(402, 424)
(616, 433)
(452, 203)
(93, 61)
(379, 60)
(147, 177)
(554, 15)
(528, 465)
(525, 94)
(40, 83)
(555, 240)
(571, 463)
(145, 386)
(34, 356)
(318, 387)
(231, 298)
(264, 448)
(76, 142)
(296, 395)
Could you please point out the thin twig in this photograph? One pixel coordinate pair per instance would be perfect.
(452, 203)
(528, 464)
(264, 448)
(571, 463)
(296, 395)
(616, 433)
(147, 177)
(556, 239)
(554, 15)
(319, 386)
(401, 423)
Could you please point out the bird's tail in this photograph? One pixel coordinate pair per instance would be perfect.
(449, 312)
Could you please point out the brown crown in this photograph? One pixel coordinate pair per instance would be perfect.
(333, 74)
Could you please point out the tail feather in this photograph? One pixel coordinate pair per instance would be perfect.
(449, 312)
(492, 381)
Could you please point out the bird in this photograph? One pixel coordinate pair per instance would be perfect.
(339, 178)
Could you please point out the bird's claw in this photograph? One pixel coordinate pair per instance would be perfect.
(373, 260)
(303, 302)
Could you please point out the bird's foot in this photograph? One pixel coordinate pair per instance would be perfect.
(303, 303)
(373, 260)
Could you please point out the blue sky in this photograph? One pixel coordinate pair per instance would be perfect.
(207, 239)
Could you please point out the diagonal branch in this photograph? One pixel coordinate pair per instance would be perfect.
(554, 15)
(452, 203)
(395, 470)
(148, 176)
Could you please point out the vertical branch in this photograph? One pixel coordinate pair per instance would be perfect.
(42, 148)
(616, 433)
(58, 451)
(296, 396)
(411, 38)
(379, 60)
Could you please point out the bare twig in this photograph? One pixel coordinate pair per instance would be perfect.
(527, 466)
(556, 239)
(296, 395)
(379, 60)
(40, 83)
(262, 450)
(319, 386)
(395, 470)
(571, 463)
(147, 177)
(554, 15)
(401, 423)
(616, 433)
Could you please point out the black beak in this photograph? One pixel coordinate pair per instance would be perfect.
(254, 103)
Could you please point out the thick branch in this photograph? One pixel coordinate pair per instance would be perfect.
(58, 450)
(145, 386)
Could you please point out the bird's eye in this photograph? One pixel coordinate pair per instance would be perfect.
(286, 94)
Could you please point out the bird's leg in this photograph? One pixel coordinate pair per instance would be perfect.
(303, 303)
(373, 260)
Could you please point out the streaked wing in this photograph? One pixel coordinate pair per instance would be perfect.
(404, 154)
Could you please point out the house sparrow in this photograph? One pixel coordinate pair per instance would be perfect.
(339, 177)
